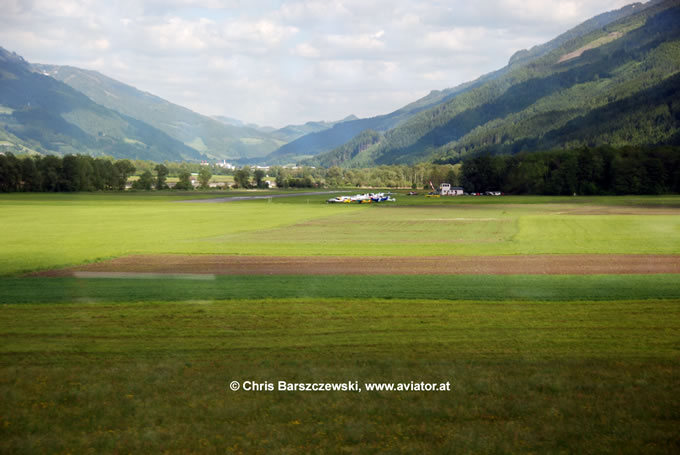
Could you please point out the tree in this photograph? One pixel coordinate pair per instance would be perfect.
(242, 177)
(107, 173)
(50, 170)
(282, 178)
(334, 176)
(452, 177)
(30, 175)
(69, 174)
(125, 169)
(161, 176)
(184, 181)
(10, 173)
(259, 178)
(204, 176)
(145, 182)
(85, 177)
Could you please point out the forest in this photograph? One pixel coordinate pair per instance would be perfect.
(582, 171)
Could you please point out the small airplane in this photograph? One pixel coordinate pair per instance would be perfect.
(339, 199)
(366, 198)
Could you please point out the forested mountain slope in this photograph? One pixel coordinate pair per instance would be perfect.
(613, 85)
(326, 140)
(206, 135)
(41, 114)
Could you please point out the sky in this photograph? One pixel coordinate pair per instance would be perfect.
(280, 62)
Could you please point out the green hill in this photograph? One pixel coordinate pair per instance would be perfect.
(40, 114)
(597, 84)
(328, 139)
(213, 138)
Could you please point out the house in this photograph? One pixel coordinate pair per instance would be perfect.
(445, 189)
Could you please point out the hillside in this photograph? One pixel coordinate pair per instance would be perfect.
(41, 114)
(326, 140)
(290, 133)
(618, 75)
(213, 138)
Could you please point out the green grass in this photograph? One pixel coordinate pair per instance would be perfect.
(154, 377)
(47, 231)
(537, 364)
(450, 287)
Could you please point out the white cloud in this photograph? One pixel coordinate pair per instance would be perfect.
(307, 50)
(287, 61)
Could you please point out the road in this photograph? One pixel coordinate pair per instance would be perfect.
(253, 198)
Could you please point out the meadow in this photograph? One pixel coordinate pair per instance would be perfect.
(48, 231)
(536, 363)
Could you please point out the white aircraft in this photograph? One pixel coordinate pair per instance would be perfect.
(366, 198)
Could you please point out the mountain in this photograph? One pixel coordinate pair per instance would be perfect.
(611, 80)
(287, 133)
(325, 140)
(41, 114)
(224, 139)
(292, 132)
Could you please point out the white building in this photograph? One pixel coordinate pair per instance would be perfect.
(225, 165)
(445, 189)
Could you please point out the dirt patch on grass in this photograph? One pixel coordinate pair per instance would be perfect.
(579, 264)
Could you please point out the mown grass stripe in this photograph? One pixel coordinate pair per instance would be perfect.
(428, 287)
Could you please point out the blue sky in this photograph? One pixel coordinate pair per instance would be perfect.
(278, 62)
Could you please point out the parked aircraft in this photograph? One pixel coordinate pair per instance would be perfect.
(366, 198)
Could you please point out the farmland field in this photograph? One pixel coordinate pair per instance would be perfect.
(102, 352)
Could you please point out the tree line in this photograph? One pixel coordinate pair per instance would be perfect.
(73, 173)
(70, 173)
(585, 171)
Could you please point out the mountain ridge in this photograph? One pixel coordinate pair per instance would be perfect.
(206, 135)
(534, 96)
(41, 114)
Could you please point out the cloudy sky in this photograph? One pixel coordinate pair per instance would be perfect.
(277, 62)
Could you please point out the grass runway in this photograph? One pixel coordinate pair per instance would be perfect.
(536, 363)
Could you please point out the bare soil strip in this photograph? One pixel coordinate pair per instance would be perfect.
(578, 264)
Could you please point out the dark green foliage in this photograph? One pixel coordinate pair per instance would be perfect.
(204, 176)
(184, 181)
(124, 169)
(161, 175)
(299, 182)
(587, 171)
(70, 173)
(10, 173)
(50, 168)
(259, 175)
(242, 177)
(145, 182)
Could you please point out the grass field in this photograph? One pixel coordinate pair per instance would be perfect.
(535, 363)
(46, 231)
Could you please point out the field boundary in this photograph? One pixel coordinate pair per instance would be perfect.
(568, 264)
